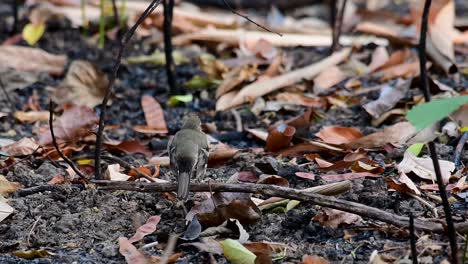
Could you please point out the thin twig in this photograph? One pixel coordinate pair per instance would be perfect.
(169, 248)
(414, 254)
(7, 96)
(338, 24)
(238, 119)
(14, 10)
(432, 150)
(249, 19)
(288, 193)
(116, 13)
(125, 39)
(459, 150)
(167, 28)
(54, 142)
(32, 229)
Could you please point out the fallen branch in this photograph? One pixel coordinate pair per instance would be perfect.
(288, 193)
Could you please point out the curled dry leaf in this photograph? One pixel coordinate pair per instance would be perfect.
(404, 185)
(424, 168)
(388, 98)
(113, 173)
(31, 60)
(338, 135)
(327, 79)
(148, 228)
(31, 116)
(235, 77)
(85, 84)
(7, 187)
(23, 147)
(273, 180)
(130, 252)
(132, 146)
(333, 218)
(280, 137)
(154, 116)
(75, 122)
(397, 134)
(379, 58)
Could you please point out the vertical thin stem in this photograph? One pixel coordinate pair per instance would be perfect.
(414, 254)
(116, 13)
(170, 68)
(333, 23)
(84, 17)
(7, 96)
(337, 25)
(102, 117)
(102, 26)
(14, 10)
(432, 149)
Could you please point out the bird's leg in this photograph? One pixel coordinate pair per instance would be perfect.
(211, 192)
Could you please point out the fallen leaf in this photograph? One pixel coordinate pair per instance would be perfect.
(154, 114)
(405, 70)
(235, 77)
(148, 228)
(31, 59)
(347, 176)
(130, 252)
(396, 134)
(379, 58)
(132, 146)
(179, 99)
(307, 259)
(396, 58)
(158, 58)
(327, 79)
(159, 161)
(338, 135)
(31, 116)
(32, 254)
(33, 32)
(280, 137)
(7, 187)
(5, 210)
(23, 147)
(388, 98)
(236, 253)
(75, 122)
(333, 218)
(424, 168)
(259, 47)
(57, 179)
(305, 175)
(403, 184)
(273, 180)
(113, 173)
(300, 99)
(85, 84)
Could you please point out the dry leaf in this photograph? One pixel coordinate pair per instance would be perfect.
(31, 59)
(403, 184)
(300, 99)
(333, 218)
(396, 58)
(132, 146)
(235, 77)
(5, 210)
(154, 114)
(148, 228)
(280, 137)
(307, 259)
(259, 47)
(327, 79)
(388, 98)
(113, 173)
(396, 134)
(7, 187)
(379, 58)
(75, 122)
(347, 176)
(405, 70)
(338, 135)
(305, 175)
(424, 168)
(32, 116)
(130, 252)
(85, 84)
(23, 147)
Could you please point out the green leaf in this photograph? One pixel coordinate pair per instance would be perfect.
(415, 149)
(292, 204)
(177, 99)
(32, 33)
(158, 58)
(236, 253)
(199, 82)
(424, 115)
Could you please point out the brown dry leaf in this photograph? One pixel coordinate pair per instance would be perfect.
(347, 176)
(130, 252)
(388, 98)
(132, 146)
(154, 116)
(461, 185)
(23, 147)
(333, 218)
(338, 135)
(7, 187)
(66, 149)
(280, 137)
(85, 84)
(32, 116)
(393, 32)
(219, 152)
(396, 134)
(302, 121)
(379, 58)
(300, 99)
(273, 180)
(403, 184)
(396, 58)
(57, 179)
(262, 87)
(424, 168)
(31, 60)
(405, 70)
(75, 122)
(298, 150)
(148, 228)
(235, 77)
(259, 47)
(305, 175)
(113, 173)
(461, 116)
(228, 205)
(307, 259)
(327, 79)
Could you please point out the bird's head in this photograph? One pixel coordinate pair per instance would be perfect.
(192, 122)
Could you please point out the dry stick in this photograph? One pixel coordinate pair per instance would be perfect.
(54, 142)
(116, 13)
(288, 193)
(128, 35)
(414, 254)
(432, 150)
(14, 10)
(167, 28)
(169, 248)
(7, 96)
(459, 150)
(337, 27)
(248, 19)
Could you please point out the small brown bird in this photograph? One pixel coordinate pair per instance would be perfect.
(188, 154)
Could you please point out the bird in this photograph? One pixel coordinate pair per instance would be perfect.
(188, 154)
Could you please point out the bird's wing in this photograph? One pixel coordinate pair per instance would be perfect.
(171, 153)
(202, 162)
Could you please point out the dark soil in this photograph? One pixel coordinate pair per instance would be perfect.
(81, 225)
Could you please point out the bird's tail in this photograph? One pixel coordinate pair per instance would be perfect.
(183, 185)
